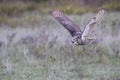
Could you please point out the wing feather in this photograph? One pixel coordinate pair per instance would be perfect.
(66, 22)
(92, 23)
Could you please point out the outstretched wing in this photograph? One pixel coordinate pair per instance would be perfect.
(93, 22)
(66, 22)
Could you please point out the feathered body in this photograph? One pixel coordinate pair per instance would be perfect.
(79, 37)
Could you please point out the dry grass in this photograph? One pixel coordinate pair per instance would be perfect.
(41, 50)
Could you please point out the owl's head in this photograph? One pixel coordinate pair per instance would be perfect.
(76, 40)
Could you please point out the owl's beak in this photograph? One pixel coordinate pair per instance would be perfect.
(75, 43)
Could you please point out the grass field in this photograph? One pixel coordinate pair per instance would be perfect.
(34, 46)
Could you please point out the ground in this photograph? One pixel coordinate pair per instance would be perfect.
(36, 47)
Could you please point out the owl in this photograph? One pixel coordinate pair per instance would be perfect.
(79, 37)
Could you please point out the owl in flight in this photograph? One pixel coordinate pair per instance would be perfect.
(79, 37)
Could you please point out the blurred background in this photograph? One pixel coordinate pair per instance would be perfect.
(34, 46)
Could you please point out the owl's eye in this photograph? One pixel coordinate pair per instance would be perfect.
(94, 18)
(78, 37)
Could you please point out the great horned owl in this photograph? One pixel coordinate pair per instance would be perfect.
(79, 37)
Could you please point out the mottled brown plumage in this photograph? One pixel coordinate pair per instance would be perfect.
(79, 37)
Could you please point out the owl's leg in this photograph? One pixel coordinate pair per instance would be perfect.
(92, 38)
(89, 38)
